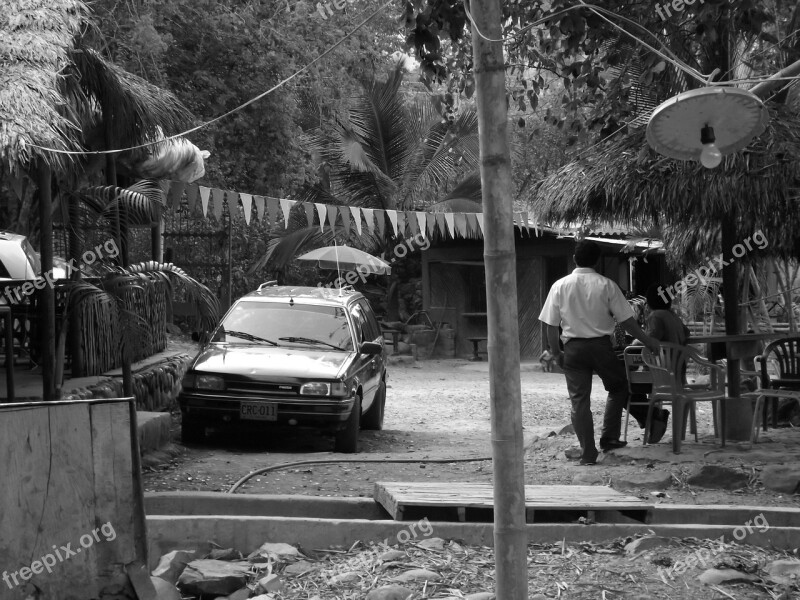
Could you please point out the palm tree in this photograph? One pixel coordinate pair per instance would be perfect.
(389, 153)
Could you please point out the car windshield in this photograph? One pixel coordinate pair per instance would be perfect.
(321, 327)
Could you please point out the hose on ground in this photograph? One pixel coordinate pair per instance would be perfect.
(244, 479)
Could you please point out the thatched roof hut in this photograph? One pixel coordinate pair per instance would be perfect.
(35, 42)
(624, 181)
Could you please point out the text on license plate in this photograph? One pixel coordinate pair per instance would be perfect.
(259, 411)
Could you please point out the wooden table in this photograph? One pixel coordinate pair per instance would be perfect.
(5, 312)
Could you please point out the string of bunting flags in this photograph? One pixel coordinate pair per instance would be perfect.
(272, 210)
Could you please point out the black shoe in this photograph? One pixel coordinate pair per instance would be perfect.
(658, 427)
(589, 461)
(606, 445)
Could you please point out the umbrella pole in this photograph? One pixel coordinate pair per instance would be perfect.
(738, 411)
(510, 536)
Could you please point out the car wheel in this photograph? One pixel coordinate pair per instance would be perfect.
(347, 438)
(192, 432)
(373, 418)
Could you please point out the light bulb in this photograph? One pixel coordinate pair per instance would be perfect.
(710, 156)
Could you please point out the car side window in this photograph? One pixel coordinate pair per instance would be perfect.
(371, 327)
(359, 321)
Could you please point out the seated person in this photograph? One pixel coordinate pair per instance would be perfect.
(663, 324)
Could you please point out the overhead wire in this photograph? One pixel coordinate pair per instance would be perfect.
(674, 60)
(233, 110)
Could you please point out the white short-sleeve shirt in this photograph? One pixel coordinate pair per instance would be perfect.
(585, 304)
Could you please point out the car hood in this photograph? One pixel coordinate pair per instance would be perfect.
(265, 362)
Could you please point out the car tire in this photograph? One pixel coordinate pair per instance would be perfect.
(347, 439)
(373, 418)
(192, 432)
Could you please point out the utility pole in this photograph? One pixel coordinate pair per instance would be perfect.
(510, 536)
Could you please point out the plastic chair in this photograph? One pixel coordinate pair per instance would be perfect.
(785, 355)
(667, 370)
(640, 381)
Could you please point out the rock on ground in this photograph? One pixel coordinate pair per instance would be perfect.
(781, 478)
(719, 477)
(390, 592)
(213, 577)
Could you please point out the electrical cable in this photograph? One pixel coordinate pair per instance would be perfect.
(244, 479)
(675, 61)
(230, 112)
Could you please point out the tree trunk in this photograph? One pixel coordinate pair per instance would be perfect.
(510, 537)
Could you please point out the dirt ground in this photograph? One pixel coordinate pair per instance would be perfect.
(439, 410)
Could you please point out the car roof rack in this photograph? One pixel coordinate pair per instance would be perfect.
(271, 283)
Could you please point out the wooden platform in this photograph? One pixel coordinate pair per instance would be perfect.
(443, 501)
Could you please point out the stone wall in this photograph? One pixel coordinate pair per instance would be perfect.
(155, 387)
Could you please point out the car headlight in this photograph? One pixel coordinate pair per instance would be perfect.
(203, 382)
(322, 388)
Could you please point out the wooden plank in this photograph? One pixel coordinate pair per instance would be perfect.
(395, 496)
(46, 499)
(66, 481)
(113, 488)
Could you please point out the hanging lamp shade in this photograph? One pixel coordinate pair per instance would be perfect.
(735, 117)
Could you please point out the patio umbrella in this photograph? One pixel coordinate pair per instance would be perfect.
(345, 258)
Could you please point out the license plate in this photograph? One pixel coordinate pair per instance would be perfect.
(258, 411)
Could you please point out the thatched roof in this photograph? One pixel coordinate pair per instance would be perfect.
(53, 91)
(624, 181)
(35, 39)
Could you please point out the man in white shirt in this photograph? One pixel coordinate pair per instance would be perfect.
(585, 305)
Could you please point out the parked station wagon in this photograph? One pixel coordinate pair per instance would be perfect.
(290, 357)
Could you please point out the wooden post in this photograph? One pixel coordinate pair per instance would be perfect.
(47, 309)
(739, 413)
(510, 537)
(75, 251)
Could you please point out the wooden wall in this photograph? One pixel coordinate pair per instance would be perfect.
(66, 471)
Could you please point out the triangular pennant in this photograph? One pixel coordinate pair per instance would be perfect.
(259, 207)
(369, 217)
(192, 194)
(204, 194)
(309, 214)
(175, 193)
(345, 212)
(357, 218)
(431, 218)
(393, 218)
(380, 217)
(401, 223)
(472, 223)
(274, 210)
(441, 225)
(411, 222)
(450, 219)
(479, 217)
(286, 207)
(461, 224)
(323, 211)
(332, 217)
(219, 202)
(422, 221)
(247, 206)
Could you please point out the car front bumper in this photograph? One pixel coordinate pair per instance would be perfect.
(219, 408)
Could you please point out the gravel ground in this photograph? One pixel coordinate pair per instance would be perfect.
(441, 410)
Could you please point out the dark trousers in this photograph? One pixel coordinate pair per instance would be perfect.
(583, 358)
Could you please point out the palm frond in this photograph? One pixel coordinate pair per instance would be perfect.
(284, 248)
(204, 299)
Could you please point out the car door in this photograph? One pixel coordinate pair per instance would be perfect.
(364, 333)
